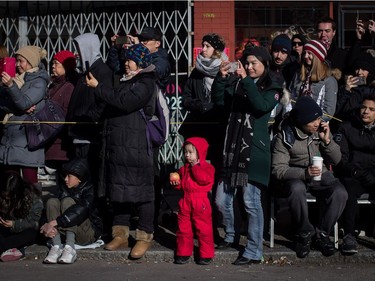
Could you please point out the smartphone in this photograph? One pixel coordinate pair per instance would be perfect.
(233, 67)
(121, 40)
(361, 80)
(8, 65)
(87, 68)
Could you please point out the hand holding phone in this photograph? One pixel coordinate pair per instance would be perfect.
(233, 67)
(359, 80)
(8, 65)
(121, 40)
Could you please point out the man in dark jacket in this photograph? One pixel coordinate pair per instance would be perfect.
(357, 168)
(84, 108)
(281, 48)
(301, 136)
(72, 214)
(326, 29)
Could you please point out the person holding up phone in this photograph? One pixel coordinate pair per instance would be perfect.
(25, 95)
(246, 155)
(356, 86)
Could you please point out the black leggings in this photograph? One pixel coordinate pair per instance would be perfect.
(18, 240)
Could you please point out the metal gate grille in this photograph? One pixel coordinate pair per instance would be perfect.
(56, 32)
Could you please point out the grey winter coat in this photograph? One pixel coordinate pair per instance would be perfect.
(293, 151)
(324, 93)
(13, 144)
(127, 171)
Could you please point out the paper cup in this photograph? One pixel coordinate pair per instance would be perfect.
(317, 161)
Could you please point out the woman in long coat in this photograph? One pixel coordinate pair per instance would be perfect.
(23, 95)
(246, 155)
(128, 166)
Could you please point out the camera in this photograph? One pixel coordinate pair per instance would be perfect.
(361, 80)
(121, 40)
(233, 67)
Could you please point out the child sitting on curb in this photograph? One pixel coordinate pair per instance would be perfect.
(72, 214)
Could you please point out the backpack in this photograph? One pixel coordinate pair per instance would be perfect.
(158, 126)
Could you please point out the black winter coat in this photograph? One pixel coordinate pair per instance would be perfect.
(357, 144)
(83, 196)
(127, 170)
(84, 107)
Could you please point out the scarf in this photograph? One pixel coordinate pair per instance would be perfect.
(209, 67)
(305, 89)
(237, 145)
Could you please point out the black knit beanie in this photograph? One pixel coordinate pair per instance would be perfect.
(260, 52)
(283, 43)
(305, 110)
(215, 41)
(366, 62)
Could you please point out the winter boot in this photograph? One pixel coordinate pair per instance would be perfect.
(120, 235)
(144, 241)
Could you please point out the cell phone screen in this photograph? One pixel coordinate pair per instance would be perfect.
(121, 40)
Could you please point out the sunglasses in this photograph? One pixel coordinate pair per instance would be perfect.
(297, 44)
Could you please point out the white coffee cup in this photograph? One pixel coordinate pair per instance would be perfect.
(317, 161)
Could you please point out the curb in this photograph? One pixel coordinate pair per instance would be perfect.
(278, 257)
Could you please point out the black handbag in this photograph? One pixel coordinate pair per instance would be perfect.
(42, 127)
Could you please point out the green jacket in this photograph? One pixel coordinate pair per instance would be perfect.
(260, 104)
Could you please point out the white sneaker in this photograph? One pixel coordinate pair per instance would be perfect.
(53, 254)
(69, 255)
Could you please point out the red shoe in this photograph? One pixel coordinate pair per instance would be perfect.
(11, 255)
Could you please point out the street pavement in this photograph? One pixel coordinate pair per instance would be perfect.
(83, 270)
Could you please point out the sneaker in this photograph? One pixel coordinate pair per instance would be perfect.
(349, 244)
(303, 245)
(181, 259)
(69, 255)
(324, 245)
(53, 255)
(204, 261)
(11, 255)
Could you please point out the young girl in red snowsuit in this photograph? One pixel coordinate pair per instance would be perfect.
(197, 178)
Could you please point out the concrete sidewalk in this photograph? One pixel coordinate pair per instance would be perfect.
(164, 244)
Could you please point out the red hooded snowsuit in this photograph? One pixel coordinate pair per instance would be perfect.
(195, 208)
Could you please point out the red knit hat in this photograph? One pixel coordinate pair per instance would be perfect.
(317, 48)
(67, 59)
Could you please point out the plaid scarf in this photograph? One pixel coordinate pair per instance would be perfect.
(237, 146)
(305, 89)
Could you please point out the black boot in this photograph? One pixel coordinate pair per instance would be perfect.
(303, 244)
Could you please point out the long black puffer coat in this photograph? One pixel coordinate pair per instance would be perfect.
(127, 170)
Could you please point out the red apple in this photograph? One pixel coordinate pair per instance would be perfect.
(174, 177)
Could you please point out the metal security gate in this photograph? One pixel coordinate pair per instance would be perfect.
(56, 32)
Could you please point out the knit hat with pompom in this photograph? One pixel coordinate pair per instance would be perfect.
(32, 54)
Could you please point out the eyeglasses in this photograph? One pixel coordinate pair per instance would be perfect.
(297, 44)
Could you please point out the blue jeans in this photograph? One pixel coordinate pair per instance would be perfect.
(252, 202)
(224, 202)
(253, 207)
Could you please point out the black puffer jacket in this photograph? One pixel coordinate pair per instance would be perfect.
(83, 195)
(127, 166)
